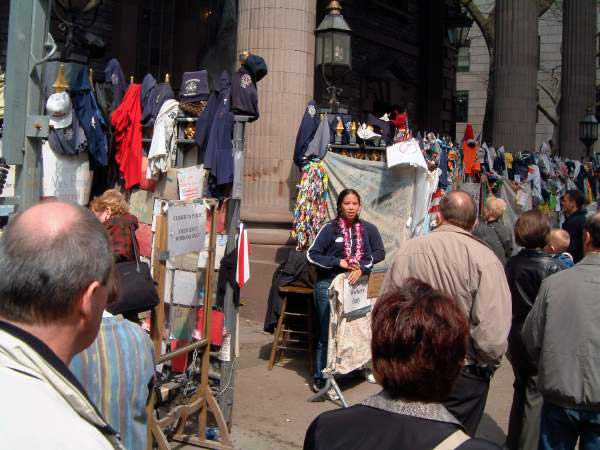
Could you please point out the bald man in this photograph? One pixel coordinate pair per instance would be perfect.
(55, 280)
(452, 260)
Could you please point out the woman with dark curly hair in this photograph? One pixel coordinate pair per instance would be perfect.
(418, 347)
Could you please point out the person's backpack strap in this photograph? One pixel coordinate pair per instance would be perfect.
(453, 441)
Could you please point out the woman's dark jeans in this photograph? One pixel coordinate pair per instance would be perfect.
(322, 309)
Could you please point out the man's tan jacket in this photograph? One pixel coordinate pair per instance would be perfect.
(452, 260)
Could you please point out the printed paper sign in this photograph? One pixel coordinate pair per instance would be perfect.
(9, 186)
(221, 245)
(181, 288)
(355, 296)
(66, 177)
(191, 181)
(187, 228)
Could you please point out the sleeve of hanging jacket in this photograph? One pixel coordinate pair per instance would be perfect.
(126, 120)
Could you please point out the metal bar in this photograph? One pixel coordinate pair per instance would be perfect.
(28, 27)
(208, 303)
(158, 272)
(182, 350)
(230, 309)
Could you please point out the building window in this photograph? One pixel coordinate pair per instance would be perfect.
(462, 106)
(464, 58)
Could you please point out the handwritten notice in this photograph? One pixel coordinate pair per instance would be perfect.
(191, 182)
(66, 177)
(356, 300)
(187, 228)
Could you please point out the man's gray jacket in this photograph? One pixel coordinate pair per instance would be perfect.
(452, 260)
(562, 333)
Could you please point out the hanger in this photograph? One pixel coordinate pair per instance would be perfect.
(131, 79)
(60, 85)
(167, 78)
(91, 77)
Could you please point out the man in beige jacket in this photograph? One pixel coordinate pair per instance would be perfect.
(452, 260)
(55, 280)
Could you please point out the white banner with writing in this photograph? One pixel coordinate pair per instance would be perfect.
(355, 296)
(66, 177)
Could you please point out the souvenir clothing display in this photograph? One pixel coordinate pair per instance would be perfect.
(306, 132)
(205, 120)
(163, 147)
(90, 117)
(218, 158)
(194, 87)
(317, 148)
(128, 136)
(244, 97)
(157, 97)
(113, 74)
(68, 141)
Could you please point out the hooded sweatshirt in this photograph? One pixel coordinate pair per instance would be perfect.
(219, 158)
(113, 74)
(148, 87)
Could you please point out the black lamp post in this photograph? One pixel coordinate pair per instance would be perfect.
(333, 52)
(458, 24)
(588, 130)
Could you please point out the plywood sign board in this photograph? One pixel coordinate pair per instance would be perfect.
(375, 283)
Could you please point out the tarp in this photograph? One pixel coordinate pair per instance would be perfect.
(387, 196)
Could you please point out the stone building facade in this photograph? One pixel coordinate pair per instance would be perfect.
(473, 66)
(402, 60)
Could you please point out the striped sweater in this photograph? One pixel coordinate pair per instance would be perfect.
(116, 371)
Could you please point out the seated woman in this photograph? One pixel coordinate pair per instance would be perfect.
(418, 347)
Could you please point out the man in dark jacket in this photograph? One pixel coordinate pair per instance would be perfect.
(525, 273)
(572, 205)
(561, 334)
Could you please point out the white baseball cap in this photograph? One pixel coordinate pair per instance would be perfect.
(59, 108)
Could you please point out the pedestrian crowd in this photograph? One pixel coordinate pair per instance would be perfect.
(454, 302)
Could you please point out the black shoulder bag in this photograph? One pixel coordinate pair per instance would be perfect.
(135, 286)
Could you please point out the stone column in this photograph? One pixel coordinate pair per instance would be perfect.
(515, 79)
(578, 73)
(282, 32)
